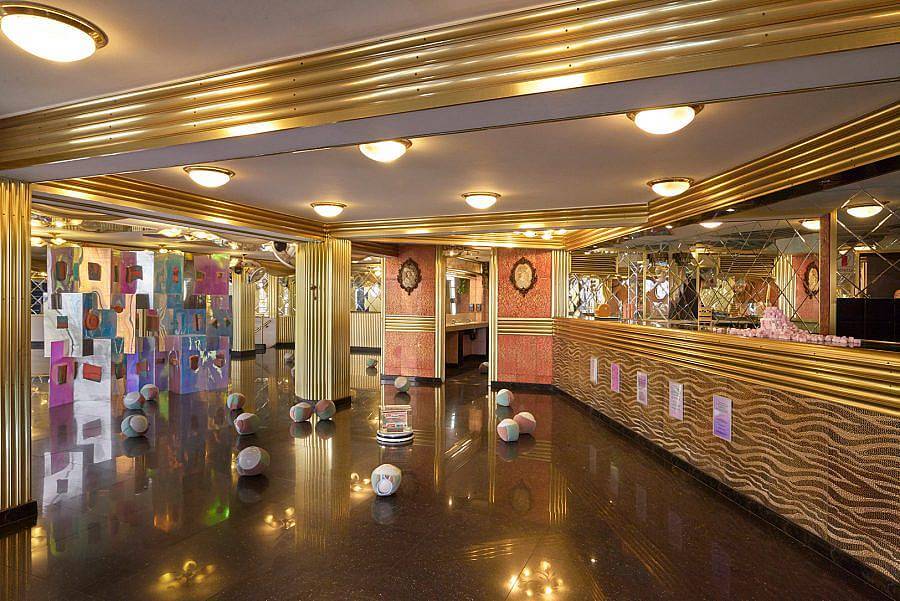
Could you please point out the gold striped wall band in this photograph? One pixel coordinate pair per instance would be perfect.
(526, 326)
(856, 377)
(440, 311)
(560, 46)
(409, 323)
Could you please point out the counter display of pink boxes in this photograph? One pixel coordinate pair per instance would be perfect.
(775, 325)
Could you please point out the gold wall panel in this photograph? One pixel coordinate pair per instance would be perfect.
(129, 196)
(560, 46)
(365, 329)
(243, 309)
(322, 343)
(849, 376)
(409, 323)
(560, 266)
(866, 139)
(15, 344)
(285, 325)
(493, 319)
(824, 461)
(440, 312)
(525, 326)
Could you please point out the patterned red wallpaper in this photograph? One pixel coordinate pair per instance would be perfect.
(409, 354)
(421, 301)
(537, 303)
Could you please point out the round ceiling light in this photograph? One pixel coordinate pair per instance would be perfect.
(665, 121)
(50, 33)
(481, 200)
(328, 209)
(670, 186)
(864, 211)
(209, 177)
(386, 151)
(711, 225)
(812, 225)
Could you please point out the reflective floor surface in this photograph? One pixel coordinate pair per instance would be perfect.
(574, 512)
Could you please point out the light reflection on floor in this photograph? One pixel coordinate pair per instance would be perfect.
(576, 512)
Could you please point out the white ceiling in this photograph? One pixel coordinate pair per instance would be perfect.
(587, 162)
(158, 41)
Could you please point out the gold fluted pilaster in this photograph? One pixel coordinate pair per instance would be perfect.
(15, 344)
(243, 308)
(285, 324)
(323, 320)
(493, 322)
(561, 265)
(440, 311)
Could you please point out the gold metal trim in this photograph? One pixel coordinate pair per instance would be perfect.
(370, 247)
(525, 326)
(409, 323)
(561, 46)
(866, 139)
(243, 307)
(440, 312)
(860, 378)
(492, 304)
(560, 266)
(130, 196)
(49, 12)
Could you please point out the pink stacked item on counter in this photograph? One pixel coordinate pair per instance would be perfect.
(776, 326)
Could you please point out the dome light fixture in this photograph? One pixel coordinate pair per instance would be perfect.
(665, 121)
(710, 225)
(208, 176)
(670, 186)
(50, 33)
(328, 209)
(812, 225)
(481, 200)
(864, 211)
(385, 151)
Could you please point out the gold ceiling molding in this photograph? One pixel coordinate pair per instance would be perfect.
(370, 247)
(856, 377)
(561, 46)
(131, 196)
(480, 240)
(866, 139)
(625, 214)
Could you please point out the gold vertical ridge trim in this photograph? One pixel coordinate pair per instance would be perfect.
(564, 45)
(322, 345)
(384, 299)
(15, 344)
(561, 265)
(493, 322)
(243, 308)
(440, 311)
(365, 329)
(285, 325)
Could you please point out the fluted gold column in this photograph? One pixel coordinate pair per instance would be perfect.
(323, 320)
(285, 325)
(561, 264)
(243, 308)
(493, 322)
(440, 311)
(15, 352)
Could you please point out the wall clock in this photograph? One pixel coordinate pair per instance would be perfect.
(409, 275)
(523, 276)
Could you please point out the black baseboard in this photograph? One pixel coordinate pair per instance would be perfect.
(36, 344)
(21, 516)
(284, 345)
(417, 380)
(821, 546)
(243, 354)
(524, 386)
(340, 403)
(367, 350)
(261, 348)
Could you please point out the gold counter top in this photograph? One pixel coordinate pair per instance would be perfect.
(465, 325)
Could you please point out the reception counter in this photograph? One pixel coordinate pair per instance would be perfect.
(814, 430)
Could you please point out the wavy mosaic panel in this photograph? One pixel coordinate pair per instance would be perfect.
(832, 469)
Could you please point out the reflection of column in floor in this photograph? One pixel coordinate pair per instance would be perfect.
(558, 495)
(16, 549)
(439, 437)
(491, 424)
(243, 376)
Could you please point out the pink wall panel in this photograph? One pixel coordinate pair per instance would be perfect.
(525, 359)
(409, 354)
(421, 301)
(537, 303)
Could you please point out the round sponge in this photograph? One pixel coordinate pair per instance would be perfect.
(508, 430)
(325, 409)
(504, 397)
(246, 423)
(526, 422)
(252, 461)
(134, 400)
(135, 425)
(386, 479)
(150, 392)
(401, 383)
(302, 411)
(235, 400)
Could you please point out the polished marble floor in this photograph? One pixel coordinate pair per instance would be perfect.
(574, 512)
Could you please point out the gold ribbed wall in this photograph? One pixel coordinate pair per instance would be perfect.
(561, 265)
(243, 307)
(493, 322)
(323, 320)
(365, 329)
(440, 311)
(285, 325)
(15, 344)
